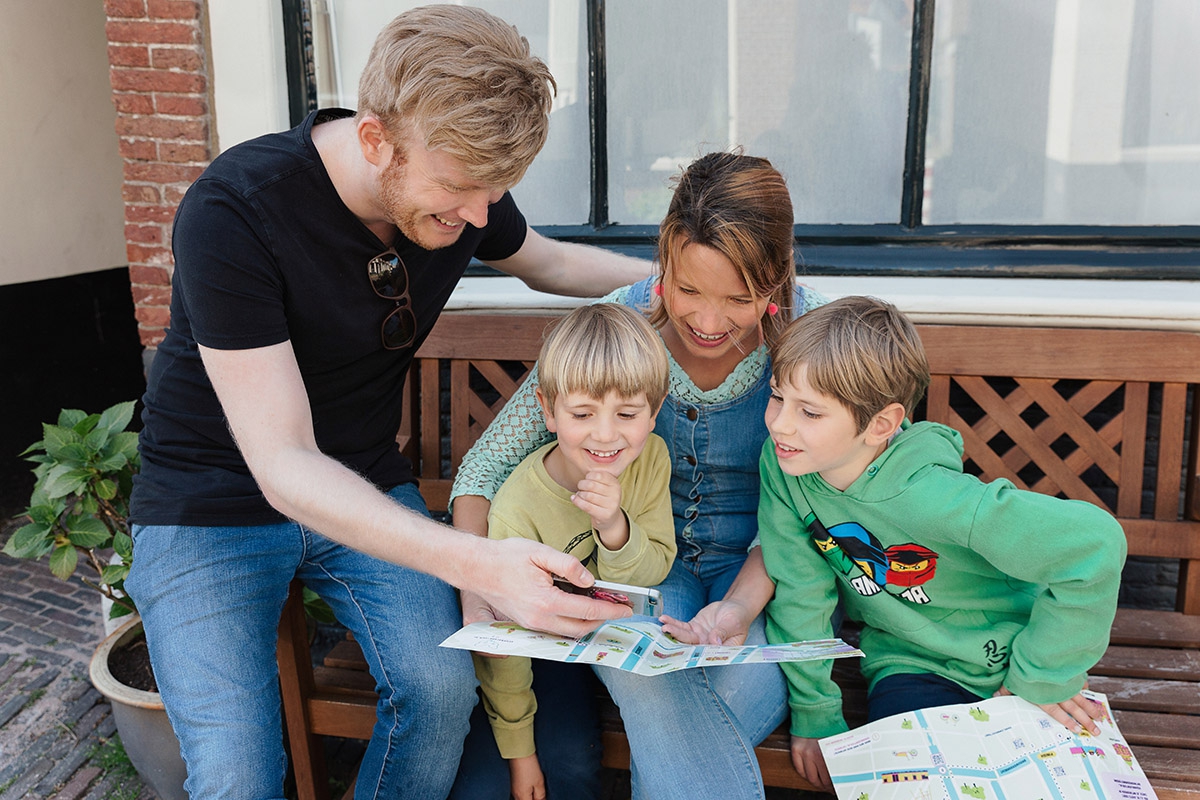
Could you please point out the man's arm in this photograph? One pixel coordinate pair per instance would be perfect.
(265, 403)
(548, 265)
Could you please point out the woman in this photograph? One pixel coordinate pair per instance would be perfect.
(726, 289)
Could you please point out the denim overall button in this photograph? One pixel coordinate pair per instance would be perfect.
(690, 460)
(692, 414)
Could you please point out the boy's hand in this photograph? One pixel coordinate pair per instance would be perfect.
(599, 496)
(525, 778)
(722, 622)
(1075, 713)
(810, 762)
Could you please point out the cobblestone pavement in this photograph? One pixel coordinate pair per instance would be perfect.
(53, 724)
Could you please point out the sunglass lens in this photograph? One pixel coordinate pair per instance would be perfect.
(388, 275)
(399, 329)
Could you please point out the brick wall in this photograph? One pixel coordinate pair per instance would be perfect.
(159, 71)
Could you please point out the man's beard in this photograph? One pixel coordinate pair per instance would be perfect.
(394, 197)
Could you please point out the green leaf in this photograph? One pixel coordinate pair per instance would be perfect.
(87, 532)
(70, 417)
(46, 514)
(56, 438)
(122, 544)
(116, 418)
(115, 574)
(86, 425)
(317, 608)
(63, 560)
(126, 443)
(117, 611)
(112, 462)
(106, 489)
(63, 480)
(30, 541)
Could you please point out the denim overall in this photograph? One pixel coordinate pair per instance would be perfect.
(704, 723)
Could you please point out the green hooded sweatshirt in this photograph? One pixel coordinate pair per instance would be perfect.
(981, 583)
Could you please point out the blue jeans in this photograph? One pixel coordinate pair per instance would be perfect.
(897, 694)
(566, 732)
(211, 597)
(692, 733)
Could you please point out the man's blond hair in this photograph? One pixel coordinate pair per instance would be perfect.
(465, 82)
(602, 348)
(862, 351)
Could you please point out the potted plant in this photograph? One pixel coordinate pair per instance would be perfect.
(79, 511)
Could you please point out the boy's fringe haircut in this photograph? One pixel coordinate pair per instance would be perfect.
(860, 350)
(602, 348)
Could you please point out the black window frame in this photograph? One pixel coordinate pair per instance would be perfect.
(906, 247)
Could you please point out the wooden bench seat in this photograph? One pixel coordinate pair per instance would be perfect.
(1069, 412)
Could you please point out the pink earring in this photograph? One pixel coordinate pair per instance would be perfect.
(772, 309)
(657, 290)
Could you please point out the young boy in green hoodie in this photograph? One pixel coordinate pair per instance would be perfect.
(964, 589)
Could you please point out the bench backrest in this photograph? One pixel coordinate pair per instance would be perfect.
(1107, 416)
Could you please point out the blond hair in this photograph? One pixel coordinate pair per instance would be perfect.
(465, 81)
(861, 351)
(738, 205)
(602, 348)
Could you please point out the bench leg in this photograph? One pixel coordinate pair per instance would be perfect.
(296, 686)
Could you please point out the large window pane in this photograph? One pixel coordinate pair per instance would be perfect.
(1065, 112)
(820, 88)
(555, 190)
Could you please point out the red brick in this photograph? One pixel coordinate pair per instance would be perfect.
(181, 58)
(155, 80)
(141, 275)
(152, 295)
(161, 173)
(151, 337)
(139, 149)
(128, 55)
(143, 234)
(148, 255)
(174, 194)
(139, 193)
(134, 9)
(176, 153)
(129, 103)
(159, 214)
(173, 9)
(155, 127)
(153, 316)
(181, 105)
(130, 31)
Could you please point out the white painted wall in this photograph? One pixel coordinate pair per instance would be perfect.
(61, 211)
(249, 72)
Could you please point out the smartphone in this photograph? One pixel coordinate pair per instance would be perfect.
(643, 600)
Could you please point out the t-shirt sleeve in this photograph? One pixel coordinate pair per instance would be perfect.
(225, 273)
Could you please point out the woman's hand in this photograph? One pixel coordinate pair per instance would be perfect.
(723, 622)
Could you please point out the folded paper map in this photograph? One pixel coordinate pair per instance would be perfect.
(634, 646)
(998, 749)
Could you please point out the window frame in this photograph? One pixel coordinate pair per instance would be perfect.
(906, 247)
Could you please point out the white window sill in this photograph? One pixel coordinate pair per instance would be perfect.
(1162, 305)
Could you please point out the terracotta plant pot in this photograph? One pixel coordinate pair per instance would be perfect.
(141, 720)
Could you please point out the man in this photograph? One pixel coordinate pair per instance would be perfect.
(310, 265)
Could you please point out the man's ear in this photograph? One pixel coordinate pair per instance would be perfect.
(372, 141)
(884, 424)
(547, 411)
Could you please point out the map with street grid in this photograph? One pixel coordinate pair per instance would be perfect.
(1003, 748)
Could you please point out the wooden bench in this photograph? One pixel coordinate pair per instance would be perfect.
(1071, 412)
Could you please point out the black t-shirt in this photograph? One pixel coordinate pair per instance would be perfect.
(266, 252)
